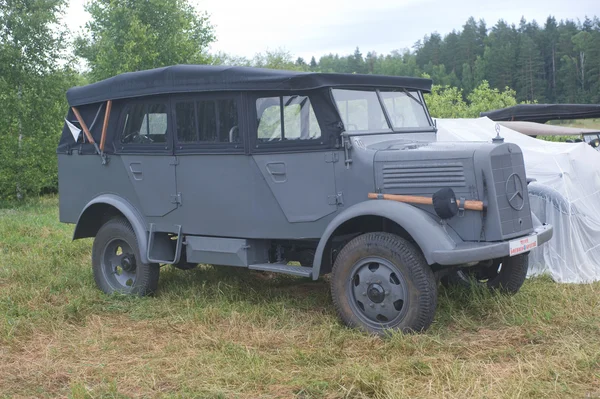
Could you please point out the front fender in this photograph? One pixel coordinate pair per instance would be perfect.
(130, 213)
(429, 234)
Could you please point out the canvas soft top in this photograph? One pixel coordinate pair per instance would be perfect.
(202, 78)
(543, 113)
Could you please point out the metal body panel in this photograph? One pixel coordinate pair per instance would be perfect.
(131, 214)
(227, 195)
(467, 252)
(300, 271)
(301, 182)
(153, 178)
(83, 178)
(226, 251)
(429, 234)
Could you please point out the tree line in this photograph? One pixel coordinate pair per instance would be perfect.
(558, 62)
(474, 69)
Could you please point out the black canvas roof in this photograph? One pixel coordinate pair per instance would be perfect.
(199, 78)
(543, 113)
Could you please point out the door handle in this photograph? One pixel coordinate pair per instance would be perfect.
(136, 170)
(277, 171)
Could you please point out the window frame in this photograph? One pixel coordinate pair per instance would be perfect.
(136, 148)
(205, 147)
(392, 130)
(255, 146)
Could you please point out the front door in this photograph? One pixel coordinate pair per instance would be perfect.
(291, 153)
(303, 183)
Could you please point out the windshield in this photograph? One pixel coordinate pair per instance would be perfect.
(362, 111)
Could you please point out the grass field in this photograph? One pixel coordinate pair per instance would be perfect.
(225, 332)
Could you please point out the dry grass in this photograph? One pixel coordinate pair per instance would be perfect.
(220, 333)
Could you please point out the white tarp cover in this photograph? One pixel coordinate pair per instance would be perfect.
(573, 253)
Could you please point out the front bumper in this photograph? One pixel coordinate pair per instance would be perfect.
(466, 252)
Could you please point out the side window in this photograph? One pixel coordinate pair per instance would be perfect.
(145, 124)
(286, 118)
(207, 121)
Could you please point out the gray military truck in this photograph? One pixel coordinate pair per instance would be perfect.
(298, 173)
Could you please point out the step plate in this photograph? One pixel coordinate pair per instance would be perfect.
(285, 269)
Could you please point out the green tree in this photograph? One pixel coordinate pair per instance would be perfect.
(446, 102)
(277, 59)
(484, 98)
(530, 71)
(356, 63)
(32, 87)
(132, 35)
(500, 55)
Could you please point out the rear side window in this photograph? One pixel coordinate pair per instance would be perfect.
(145, 124)
(207, 121)
(286, 118)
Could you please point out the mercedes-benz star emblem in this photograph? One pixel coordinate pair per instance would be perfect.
(515, 192)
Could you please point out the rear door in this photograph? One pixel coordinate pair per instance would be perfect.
(145, 146)
(212, 170)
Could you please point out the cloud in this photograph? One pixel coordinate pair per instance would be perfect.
(318, 27)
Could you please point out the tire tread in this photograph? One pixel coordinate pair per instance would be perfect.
(419, 272)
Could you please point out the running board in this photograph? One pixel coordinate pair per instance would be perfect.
(285, 269)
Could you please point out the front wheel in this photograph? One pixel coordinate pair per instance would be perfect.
(382, 282)
(116, 262)
(505, 275)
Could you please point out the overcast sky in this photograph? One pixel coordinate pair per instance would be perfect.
(317, 27)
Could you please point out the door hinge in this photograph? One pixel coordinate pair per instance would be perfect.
(331, 157)
(337, 199)
(176, 198)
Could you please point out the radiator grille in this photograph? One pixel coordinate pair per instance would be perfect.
(399, 176)
(503, 167)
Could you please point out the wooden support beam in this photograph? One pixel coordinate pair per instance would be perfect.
(105, 125)
(83, 125)
(471, 205)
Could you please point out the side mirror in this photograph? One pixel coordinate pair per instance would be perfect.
(595, 143)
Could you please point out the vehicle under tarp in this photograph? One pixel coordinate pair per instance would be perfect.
(543, 113)
(569, 200)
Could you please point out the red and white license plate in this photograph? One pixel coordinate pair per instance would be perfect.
(522, 245)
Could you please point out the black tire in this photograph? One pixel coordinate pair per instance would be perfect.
(505, 275)
(396, 276)
(116, 261)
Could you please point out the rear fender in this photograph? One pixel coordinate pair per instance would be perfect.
(126, 209)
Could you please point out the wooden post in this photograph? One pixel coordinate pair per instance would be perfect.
(83, 125)
(413, 199)
(105, 125)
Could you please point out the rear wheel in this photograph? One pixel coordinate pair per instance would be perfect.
(116, 261)
(505, 275)
(382, 282)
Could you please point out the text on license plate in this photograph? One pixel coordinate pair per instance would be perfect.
(522, 245)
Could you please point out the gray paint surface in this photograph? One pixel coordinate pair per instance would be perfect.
(303, 183)
(153, 179)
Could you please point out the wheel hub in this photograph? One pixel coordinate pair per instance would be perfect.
(128, 264)
(376, 293)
